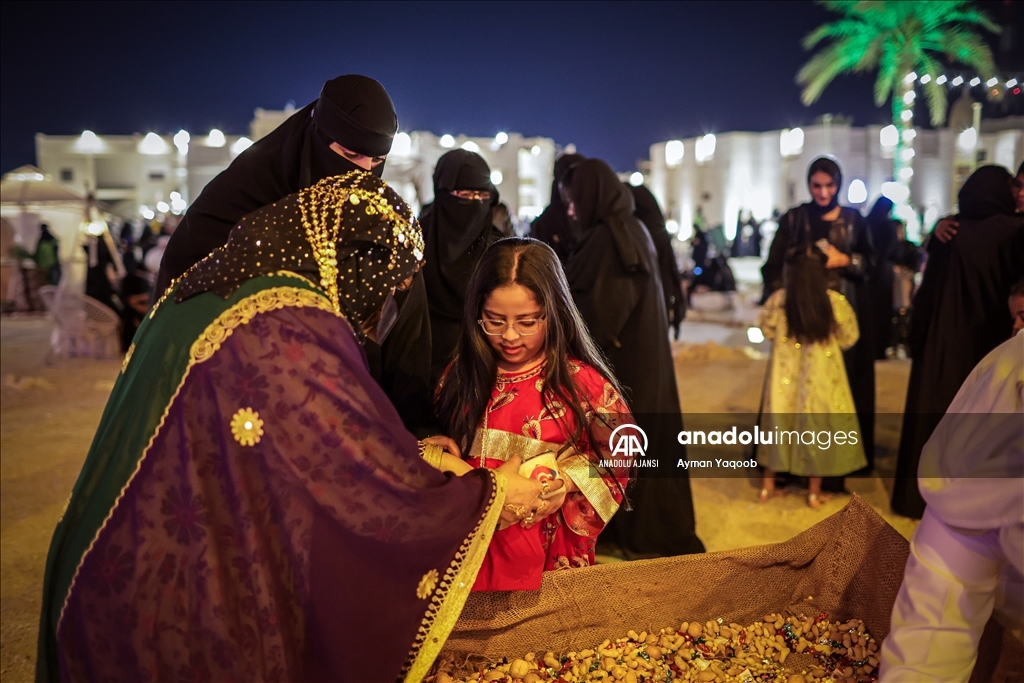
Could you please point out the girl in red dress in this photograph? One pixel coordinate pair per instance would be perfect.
(528, 380)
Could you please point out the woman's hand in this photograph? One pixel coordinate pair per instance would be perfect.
(445, 442)
(945, 230)
(522, 495)
(836, 258)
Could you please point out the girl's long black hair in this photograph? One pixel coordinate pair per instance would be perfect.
(809, 314)
(466, 388)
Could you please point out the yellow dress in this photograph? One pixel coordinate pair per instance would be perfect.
(809, 414)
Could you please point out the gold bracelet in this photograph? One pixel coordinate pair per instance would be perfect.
(431, 453)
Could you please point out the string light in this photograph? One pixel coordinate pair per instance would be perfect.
(975, 81)
(941, 79)
(992, 81)
(958, 80)
(1012, 82)
(926, 79)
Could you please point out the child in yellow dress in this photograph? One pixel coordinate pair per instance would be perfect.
(811, 419)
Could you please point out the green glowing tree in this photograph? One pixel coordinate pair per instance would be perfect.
(905, 41)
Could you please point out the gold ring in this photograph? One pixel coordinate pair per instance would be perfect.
(540, 508)
(517, 510)
(545, 486)
(528, 520)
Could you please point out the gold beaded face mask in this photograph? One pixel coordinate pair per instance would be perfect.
(352, 234)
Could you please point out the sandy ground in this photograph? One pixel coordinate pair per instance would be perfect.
(48, 414)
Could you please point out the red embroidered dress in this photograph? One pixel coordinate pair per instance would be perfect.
(517, 422)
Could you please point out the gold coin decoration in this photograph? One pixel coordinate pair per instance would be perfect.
(427, 585)
(247, 427)
(322, 206)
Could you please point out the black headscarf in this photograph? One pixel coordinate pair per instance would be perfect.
(987, 193)
(354, 111)
(373, 257)
(883, 230)
(357, 113)
(828, 167)
(552, 225)
(456, 230)
(600, 197)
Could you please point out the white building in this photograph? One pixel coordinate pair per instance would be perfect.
(147, 175)
(730, 173)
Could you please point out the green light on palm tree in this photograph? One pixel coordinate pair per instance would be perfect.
(905, 41)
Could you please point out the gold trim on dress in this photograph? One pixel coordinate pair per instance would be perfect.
(577, 467)
(498, 444)
(202, 350)
(449, 599)
(127, 357)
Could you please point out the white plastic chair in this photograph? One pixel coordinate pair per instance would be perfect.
(82, 326)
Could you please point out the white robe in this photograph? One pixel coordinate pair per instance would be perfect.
(967, 555)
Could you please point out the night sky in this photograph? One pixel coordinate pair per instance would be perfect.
(610, 77)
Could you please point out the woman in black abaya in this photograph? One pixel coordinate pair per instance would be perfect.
(349, 127)
(649, 213)
(457, 228)
(552, 225)
(613, 274)
(883, 238)
(842, 234)
(959, 315)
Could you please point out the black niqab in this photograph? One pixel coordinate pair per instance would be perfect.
(552, 225)
(294, 156)
(456, 232)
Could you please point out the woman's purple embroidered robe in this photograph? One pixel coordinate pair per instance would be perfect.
(252, 509)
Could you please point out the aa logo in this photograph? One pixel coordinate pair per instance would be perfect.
(628, 441)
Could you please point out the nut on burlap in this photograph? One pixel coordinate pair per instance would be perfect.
(849, 565)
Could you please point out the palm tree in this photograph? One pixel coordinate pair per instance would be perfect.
(904, 40)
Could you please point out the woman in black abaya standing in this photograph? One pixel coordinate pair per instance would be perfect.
(959, 315)
(613, 274)
(841, 233)
(552, 225)
(883, 238)
(349, 127)
(457, 228)
(649, 213)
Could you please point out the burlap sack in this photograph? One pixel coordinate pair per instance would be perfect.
(848, 565)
